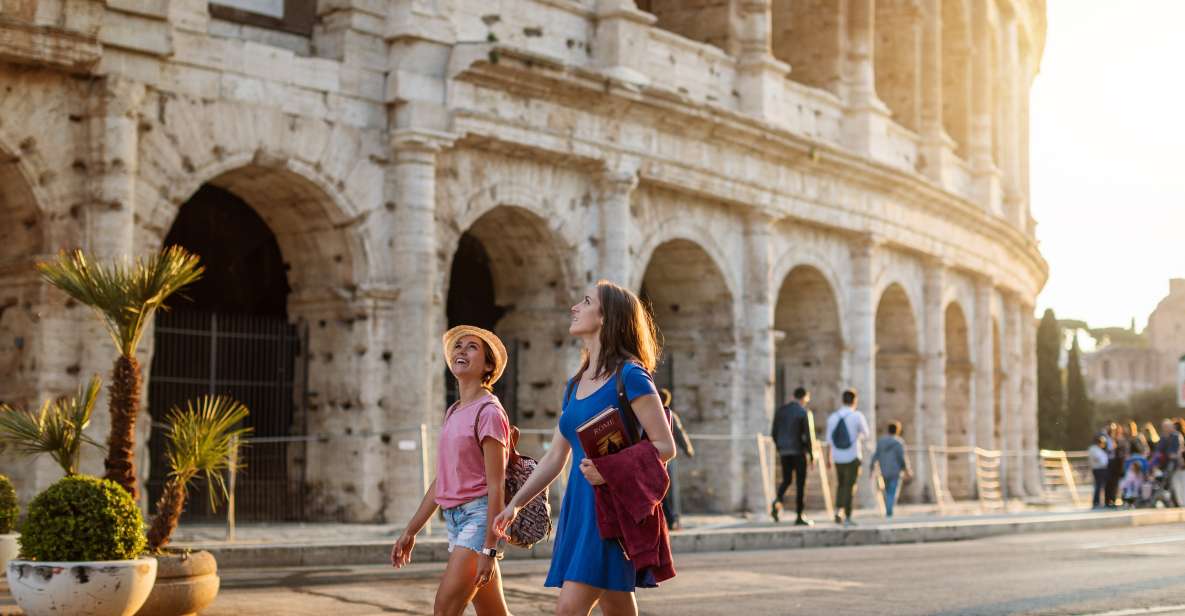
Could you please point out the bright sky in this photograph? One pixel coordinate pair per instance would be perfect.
(1107, 149)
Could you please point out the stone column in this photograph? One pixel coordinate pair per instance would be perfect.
(867, 117)
(985, 395)
(1010, 109)
(933, 420)
(1031, 468)
(419, 308)
(755, 398)
(862, 320)
(938, 149)
(108, 234)
(983, 166)
(616, 259)
(619, 47)
(1012, 412)
(760, 77)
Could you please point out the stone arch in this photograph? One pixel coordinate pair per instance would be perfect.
(509, 274)
(959, 422)
(693, 308)
(897, 364)
(681, 229)
(811, 346)
(705, 21)
(897, 59)
(521, 197)
(809, 36)
(956, 73)
(322, 246)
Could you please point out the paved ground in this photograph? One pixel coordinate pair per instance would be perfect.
(1117, 572)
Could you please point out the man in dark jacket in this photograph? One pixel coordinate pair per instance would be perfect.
(794, 435)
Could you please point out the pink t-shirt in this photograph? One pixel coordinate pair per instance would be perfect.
(460, 464)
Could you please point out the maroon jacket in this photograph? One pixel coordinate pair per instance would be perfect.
(629, 508)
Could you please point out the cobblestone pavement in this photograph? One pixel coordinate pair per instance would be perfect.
(1117, 572)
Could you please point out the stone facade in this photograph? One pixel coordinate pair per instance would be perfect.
(826, 193)
(1116, 371)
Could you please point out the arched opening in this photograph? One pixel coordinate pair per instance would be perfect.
(956, 73)
(808, 35)
(897, 59)
(960, 477)
(810, 350)
(21, 239)
(694, 312)
(705, 21)
(229, 334)
(897, 371)
(508, 276)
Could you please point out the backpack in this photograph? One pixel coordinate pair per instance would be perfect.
(533, 523)
(840, 437)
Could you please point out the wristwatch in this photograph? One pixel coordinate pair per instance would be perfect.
(492, 553)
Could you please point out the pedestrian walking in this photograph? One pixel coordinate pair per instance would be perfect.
(672, 506)
(846, 431)
(894, 465)
(471, 458)
(620, 350)
(1099, 461)
(793, 432)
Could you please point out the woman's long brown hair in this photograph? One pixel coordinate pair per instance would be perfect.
(627, 332)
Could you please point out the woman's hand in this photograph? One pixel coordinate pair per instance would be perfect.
(401, 551)
(504, 519)
(485, 570)
(591, 473)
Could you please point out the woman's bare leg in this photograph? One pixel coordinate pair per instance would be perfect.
(490, 600)
(618, 603)
(456, 588)
(577, 599)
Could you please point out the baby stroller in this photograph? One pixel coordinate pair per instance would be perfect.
(1146, 485)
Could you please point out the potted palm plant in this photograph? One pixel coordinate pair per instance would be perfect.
(125, 296)
(201, 442)
(82, 540)
(9, 512)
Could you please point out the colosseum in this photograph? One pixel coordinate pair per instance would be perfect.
(818, 192)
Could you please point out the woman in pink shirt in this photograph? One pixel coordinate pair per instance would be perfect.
(470, 478)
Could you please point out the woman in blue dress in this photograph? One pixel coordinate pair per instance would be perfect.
(617, 332)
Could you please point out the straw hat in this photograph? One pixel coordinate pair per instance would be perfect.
(496, 347)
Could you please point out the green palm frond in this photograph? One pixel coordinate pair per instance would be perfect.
(202, 439)
(124, 294)
(56, 429)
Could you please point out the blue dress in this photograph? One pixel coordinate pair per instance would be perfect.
(580, 554)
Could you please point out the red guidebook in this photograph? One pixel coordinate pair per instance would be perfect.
(603, 434)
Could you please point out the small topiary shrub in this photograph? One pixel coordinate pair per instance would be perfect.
(8, 506)
(82, 518)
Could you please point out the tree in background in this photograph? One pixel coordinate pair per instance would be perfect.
(1051, 408)
(1079, 409)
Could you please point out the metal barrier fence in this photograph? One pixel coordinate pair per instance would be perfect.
(986, 471)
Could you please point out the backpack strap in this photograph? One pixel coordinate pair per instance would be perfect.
(512, 437)
(628, 417)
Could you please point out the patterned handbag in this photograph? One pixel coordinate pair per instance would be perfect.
(533, 522)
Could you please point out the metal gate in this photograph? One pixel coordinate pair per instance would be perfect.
(256, 360)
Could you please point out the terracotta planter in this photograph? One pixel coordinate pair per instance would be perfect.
(8, 549)
(185, 584)
(99, 588)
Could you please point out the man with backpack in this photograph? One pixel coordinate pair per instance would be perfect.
(846, 431)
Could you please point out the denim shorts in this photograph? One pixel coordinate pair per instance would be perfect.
(466, 524)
